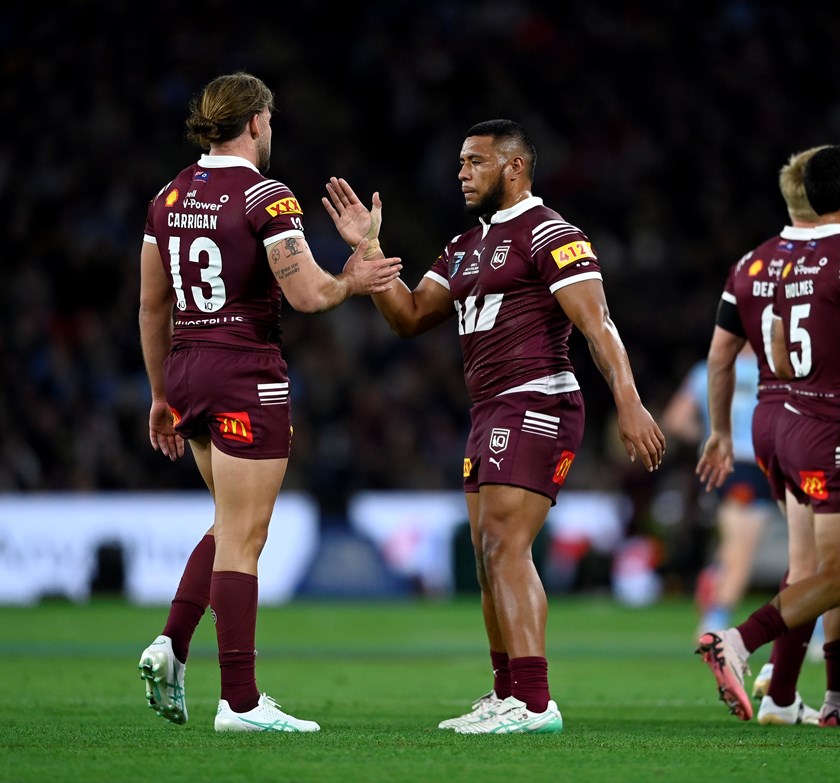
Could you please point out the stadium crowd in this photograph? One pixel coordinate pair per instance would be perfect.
(661, 136)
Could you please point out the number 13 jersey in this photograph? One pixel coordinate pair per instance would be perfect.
(212, 224)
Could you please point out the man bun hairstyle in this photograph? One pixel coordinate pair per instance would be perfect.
(512, 133)
(223, 108)
(822, 180)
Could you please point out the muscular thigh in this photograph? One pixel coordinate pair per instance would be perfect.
(238, 399)
(525, 440)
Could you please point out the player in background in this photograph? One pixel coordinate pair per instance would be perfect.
(223, 246)
(807, 445)
(744, 506)
(515, 285)
(745, 316)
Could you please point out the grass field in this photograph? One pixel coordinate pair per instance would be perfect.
(637, 704)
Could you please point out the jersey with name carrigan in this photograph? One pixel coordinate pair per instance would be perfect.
(212, 224)
(502, 277)
(808, 301)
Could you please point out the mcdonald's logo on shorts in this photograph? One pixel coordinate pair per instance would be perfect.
(467, 467)
(812, 483)
(235, 426)
(176, 417)
(562, 469)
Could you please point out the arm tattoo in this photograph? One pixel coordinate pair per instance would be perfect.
(277, 258)
(287, 271)
(291, 245)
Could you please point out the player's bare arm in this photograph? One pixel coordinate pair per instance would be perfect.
(309, 288)
(586, 306)
(717, 459)
(155, 320)
(410, 313)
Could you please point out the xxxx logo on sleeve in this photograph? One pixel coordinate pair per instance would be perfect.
(285, 206)
(235, 426)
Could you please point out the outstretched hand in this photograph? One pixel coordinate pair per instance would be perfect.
(353, 220)
(162, 433)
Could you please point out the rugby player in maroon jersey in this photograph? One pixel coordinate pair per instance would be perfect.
(515, 284)
(745, 315)
(807, 447)
(223, 246)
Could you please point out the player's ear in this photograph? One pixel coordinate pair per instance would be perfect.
(254, 125)
(517, 166)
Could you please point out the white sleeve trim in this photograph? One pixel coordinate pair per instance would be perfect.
(437, 278)
(293, 232)
(150, 239)
(576, 279)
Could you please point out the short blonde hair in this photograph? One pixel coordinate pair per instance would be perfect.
(791, 183)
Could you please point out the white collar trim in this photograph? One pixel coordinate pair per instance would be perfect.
(224, 162)
(516, 210)
(797, 232)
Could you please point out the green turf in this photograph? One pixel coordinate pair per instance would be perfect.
(638, 705)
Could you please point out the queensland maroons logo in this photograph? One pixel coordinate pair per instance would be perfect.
(499, 256)
(499, 439)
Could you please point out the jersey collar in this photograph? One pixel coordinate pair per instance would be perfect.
(797, 232)
(224, 162)
(827, 230)
(503, 215)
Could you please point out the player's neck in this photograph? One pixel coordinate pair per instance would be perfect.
(829, 218)
(238, 147)
(515, 198)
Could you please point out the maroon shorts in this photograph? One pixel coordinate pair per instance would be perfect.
(765, 417)
(239, 396)
(524, 439)
(809, 452)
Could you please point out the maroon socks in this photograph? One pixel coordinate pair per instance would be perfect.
(501, 674)
(789, 651)
(233, 597)
(191, 598)
(529, 681)
(831, 650)
(763, 625)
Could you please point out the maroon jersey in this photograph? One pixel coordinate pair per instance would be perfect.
(211, 225)
(502, 276)
(808, 302)
(746, 306)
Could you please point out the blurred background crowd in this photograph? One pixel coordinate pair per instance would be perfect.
(660, 128)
